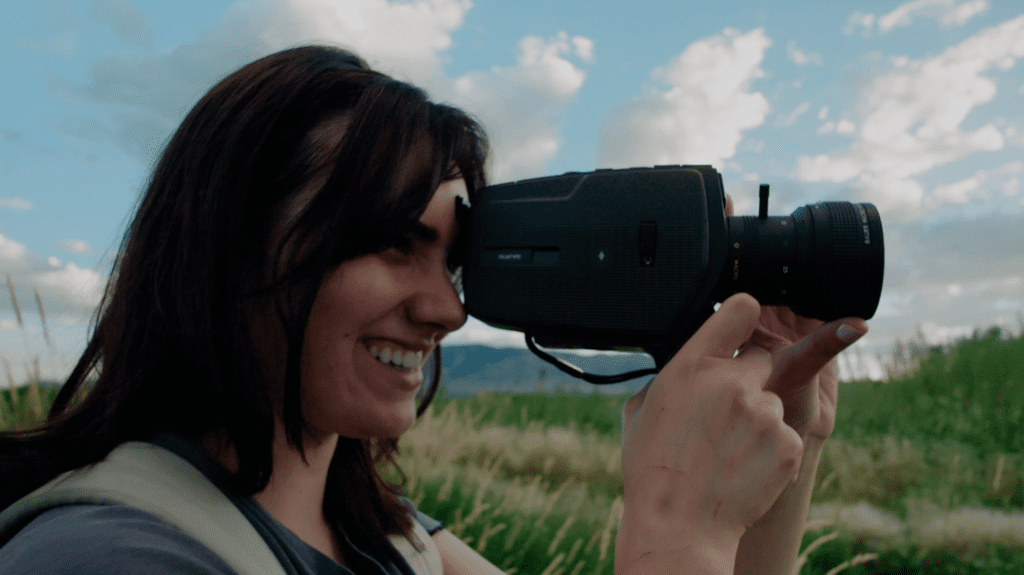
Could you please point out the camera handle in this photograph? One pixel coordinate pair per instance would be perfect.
(660, 353)
(579, 373)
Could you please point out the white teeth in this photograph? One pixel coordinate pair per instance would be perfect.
(412, 359)
(408, 360)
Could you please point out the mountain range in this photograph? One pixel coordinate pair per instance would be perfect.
(467, 370)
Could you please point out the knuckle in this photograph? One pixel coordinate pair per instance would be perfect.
(792, 445)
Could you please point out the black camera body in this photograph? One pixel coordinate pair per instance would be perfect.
(636, 259)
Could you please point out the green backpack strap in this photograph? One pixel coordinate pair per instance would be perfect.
(157, 481)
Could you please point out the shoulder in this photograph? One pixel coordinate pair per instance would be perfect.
(457, 558)
(105, 540)
(430, 524)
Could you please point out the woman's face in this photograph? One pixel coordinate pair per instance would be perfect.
(381, 304)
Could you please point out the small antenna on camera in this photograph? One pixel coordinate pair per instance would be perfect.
(763, 211)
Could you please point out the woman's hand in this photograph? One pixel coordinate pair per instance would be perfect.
(706, 449)
(809, 398)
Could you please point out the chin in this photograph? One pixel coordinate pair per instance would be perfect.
(393, 424)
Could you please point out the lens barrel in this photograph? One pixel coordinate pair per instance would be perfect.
(824, 261)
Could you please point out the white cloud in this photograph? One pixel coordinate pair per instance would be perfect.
(75, 246)
(15, 204)
(701, 117)
(520, 106)
(859, 21)
(145, 96)
(823, 113)
(801, 58)
(957, 192)
(584, 48)
(11, 252)
(69, 295)
(127, 22)
(979, 187)
(72, 285)
(912, 117)
(400, 38)
(948, 12)
(791, 118)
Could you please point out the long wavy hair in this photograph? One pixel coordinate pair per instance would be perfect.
(171, 342)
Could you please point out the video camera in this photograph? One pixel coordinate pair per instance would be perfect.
(635, 259)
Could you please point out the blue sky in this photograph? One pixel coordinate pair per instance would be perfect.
(915, 107)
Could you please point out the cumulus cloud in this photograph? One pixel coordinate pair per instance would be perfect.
(74, 286)
(125, 20)
(701, 116)
(843, 126)
(801, 58)
(940, 277)
(859, 21)
(75, 246)
(791, 118)
(947, 12)
(11, 252)
(912, 116)
(68, 294)
(15, 204)
(520, 105)
(144, 96)
(70, 289)
(982, 186)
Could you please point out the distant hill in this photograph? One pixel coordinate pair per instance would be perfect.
(467, 370)
(470, 369)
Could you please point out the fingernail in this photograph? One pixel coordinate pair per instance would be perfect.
(848, 334)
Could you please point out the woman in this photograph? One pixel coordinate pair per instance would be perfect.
(289, 273)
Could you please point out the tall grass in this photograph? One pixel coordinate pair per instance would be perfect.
(26, 405)
(924, 474)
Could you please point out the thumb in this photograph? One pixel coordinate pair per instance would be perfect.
(800, 362)
(725, 331)
(721, 335)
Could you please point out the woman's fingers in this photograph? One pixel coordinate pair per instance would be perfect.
(705, 451)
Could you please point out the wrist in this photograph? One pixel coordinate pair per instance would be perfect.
(649, 545)
(681, 561)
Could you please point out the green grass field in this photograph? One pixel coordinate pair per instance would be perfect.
(924, 473)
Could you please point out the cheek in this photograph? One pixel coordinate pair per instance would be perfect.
(353, 298)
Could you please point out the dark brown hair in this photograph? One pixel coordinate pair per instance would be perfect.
(172, 345)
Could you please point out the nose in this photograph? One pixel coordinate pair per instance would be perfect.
(437, 303)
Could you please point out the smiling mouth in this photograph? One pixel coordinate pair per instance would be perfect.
(405, 362)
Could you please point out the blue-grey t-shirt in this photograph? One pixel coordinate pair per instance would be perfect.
(116, 539)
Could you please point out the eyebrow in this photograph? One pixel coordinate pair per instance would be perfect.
(424, 233)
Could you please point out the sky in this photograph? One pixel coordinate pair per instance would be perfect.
(916, 107)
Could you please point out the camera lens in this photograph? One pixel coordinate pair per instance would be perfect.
(824, 261)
